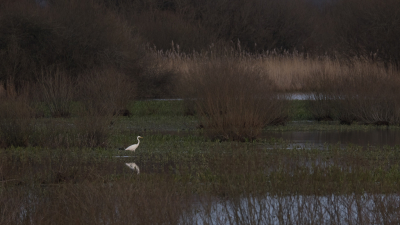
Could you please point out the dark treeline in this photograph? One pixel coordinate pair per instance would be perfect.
(80, 37)
(341, 28)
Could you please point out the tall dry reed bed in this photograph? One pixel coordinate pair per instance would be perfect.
(192, 181)
(361, 92)
(288, 71)
(357, 90)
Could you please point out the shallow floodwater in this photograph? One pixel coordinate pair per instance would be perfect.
(377, 137)
(298, 209)
(289, 96)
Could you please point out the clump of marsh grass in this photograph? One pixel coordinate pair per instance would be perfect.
(234, 101)
(15, 123)
(92, 130)
(360, 92)
(15, 117)
(372, 96)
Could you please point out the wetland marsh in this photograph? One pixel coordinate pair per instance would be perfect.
(185, 178)
(289, 112)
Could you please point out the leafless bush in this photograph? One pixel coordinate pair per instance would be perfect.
(105, 92)
(56, 89)
(233, 100)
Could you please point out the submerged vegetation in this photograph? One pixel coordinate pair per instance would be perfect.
(79, 79)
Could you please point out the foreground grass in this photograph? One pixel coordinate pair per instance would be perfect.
(180, 173)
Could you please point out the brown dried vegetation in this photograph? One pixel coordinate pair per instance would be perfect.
(362, 93)
(234, 101)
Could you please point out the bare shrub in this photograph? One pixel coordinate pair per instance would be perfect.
(233, 100)
(105, 92)
(56, 89)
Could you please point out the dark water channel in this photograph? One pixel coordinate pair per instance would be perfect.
(375, 137)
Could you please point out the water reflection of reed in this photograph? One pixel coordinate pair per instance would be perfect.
(127, 203)
(299, 209)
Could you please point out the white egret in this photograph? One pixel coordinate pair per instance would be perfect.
(134, 147)
(133, 166)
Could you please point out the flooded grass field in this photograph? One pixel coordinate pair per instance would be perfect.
(300, 173)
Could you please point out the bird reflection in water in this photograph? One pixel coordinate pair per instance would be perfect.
(133, 166)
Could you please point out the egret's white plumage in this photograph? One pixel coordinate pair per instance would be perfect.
(134, 147)
(133, 166)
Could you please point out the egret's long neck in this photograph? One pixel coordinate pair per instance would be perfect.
(138, 141)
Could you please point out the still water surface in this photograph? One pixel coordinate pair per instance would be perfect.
(376, 137)
(298, 209)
